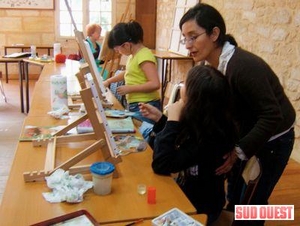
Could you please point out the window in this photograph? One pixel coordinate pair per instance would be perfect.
(181, 7)
(84, 12)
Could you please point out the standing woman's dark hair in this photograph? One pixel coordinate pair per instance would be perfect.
(208, 96)
(208, 18)
(125, 32)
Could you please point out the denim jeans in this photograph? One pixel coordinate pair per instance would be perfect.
(274, 157)
(147, 124)
(134, 107)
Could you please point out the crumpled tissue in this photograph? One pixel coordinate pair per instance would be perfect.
(66, 187)
(58, 114)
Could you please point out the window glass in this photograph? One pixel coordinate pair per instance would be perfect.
(84, 12)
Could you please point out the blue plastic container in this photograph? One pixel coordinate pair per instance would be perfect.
(102, 177)
(102, 168)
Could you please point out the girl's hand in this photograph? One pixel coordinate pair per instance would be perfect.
(150, 112)
(174, 110)
(106, 83)
(123, 90)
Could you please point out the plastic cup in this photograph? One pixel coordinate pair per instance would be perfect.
(102, 177)
(141, 189)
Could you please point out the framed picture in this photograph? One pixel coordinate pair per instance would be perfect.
(27, 4)
(80, 217)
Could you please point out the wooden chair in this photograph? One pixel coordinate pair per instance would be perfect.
(2, 88)
(251, 175)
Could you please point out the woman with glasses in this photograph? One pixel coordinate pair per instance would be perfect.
(141, 75)
(264, 115)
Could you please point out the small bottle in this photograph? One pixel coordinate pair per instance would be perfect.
(33, 51)
(56, 49)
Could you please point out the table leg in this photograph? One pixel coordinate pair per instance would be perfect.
(21, 71)
(27, 85)
(6, 73)
(6, 70)
(2, 88)
(162, 82)
(170, 71)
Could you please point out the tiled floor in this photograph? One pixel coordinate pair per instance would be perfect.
(11, 120)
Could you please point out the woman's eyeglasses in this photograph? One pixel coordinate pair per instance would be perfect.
(190, 40)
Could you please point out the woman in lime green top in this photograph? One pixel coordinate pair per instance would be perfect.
(141, 76)
(93, 34)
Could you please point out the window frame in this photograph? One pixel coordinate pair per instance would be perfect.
(181, 7)
(85, 19)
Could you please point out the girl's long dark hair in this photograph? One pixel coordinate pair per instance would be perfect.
(208, 109)
(208, 18)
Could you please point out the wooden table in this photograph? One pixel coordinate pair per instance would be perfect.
(22, 48)
(19, 61)
(167, 59)
(25, 200)
(27, 47)
(23, 203)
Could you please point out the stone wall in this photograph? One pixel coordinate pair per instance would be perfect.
(267, 28)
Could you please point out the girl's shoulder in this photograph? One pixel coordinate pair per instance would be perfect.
(145, 50)
(146, 54)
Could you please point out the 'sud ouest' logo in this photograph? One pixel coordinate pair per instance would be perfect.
(264, 212)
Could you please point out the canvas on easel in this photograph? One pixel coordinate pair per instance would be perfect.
(105, 53)
(92, 67)
(91, 62)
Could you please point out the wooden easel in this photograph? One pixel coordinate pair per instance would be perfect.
(92, 97)
(102, 136)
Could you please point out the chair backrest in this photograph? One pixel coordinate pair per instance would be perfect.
(251, 175)
(174, 95)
